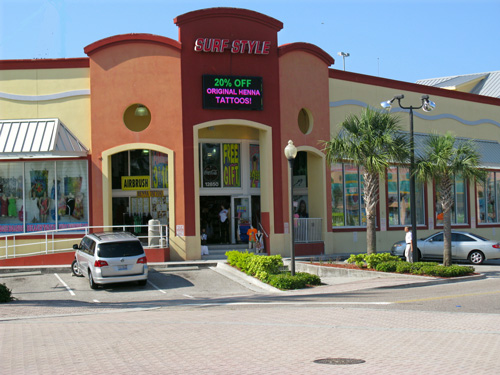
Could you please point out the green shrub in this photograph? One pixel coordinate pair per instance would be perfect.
(239, 260)
(5, 294)
(268, 264)
(372, 260)
(359, 259)
(308, 278)
(267, 269)
(403, 267)
(387, 266)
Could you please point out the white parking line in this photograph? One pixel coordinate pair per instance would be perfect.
(188, 296)
(154, 286)
(65, 285)
(96, 301)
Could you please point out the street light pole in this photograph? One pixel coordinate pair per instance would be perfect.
(427, 106)
(290, 154)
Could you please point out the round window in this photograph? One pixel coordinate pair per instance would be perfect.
(137, 117)
(305, 121)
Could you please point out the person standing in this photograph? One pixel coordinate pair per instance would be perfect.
(409, 249)
(224, 224)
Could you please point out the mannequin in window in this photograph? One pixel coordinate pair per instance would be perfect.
(12, 206)
(43, 205)
(4, 205)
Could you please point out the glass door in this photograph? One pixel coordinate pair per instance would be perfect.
(241, 218)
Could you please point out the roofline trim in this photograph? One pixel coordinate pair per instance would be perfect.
(245, 14)
(414, 87)
(306, 47)
(131, 38)
(77, 62)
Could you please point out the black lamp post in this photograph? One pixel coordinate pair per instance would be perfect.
(290, 154)
(427, 106)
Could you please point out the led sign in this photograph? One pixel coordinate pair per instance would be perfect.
(232, 92)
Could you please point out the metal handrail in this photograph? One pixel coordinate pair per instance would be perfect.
(49, 243)
(308, 230)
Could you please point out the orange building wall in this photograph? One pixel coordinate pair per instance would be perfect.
(125, 70)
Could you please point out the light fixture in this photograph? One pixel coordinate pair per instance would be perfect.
(290, 151)
(141, 111)
(427, 106)
(344, 55)
(291, 154)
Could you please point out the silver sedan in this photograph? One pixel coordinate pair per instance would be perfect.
(464, 246)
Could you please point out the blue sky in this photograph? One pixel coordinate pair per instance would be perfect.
(404, 40)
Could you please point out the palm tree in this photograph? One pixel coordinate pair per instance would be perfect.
(371, 141)
(444, 158)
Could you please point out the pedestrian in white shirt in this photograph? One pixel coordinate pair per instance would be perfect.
(408, 250)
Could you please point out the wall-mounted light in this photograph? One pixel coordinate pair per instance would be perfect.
(141, 111)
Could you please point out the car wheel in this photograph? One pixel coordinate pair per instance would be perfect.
(476, 257)
(142, 282)
(92, 284)
(75, 269)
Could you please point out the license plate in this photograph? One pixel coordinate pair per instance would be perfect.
(122, 268)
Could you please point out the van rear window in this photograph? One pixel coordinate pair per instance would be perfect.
(120, 249)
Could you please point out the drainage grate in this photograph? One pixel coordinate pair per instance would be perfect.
(339, 361)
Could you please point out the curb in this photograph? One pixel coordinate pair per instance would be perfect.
(243, 279)
(324, 271)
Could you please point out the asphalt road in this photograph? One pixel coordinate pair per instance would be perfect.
(198, 321)
(196, 286)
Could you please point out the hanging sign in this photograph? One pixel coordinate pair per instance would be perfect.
(135, 183)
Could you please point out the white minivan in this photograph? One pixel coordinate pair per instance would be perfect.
(111, 257)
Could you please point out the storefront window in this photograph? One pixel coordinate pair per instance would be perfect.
(11, 198)
(254, 166)
(398, 197)
(488, 194)
(459, 208)
(337, 181)
(140, 188)
(37, 202)
(39, 177)
(211, 163)
(119, 168)
(348, 207)
(139, 163)
(72, 195)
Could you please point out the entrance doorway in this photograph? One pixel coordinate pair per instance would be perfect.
(243, 212)
(218, 232)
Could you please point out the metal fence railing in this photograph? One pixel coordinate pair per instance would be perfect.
(308, 230)
(53, 241)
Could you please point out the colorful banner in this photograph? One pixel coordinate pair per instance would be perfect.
(254, 166)
(160, 170)
(231, 154)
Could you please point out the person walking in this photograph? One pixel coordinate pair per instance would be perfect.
(409, 249)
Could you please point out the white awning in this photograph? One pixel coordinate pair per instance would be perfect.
(38, 138)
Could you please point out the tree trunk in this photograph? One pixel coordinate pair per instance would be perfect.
(371, 234)
(370, 190)
(446, 204)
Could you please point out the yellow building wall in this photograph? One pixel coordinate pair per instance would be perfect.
(34, 85)
(463, 118)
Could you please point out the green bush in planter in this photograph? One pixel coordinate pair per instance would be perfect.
(5, 294)
(387, 266)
